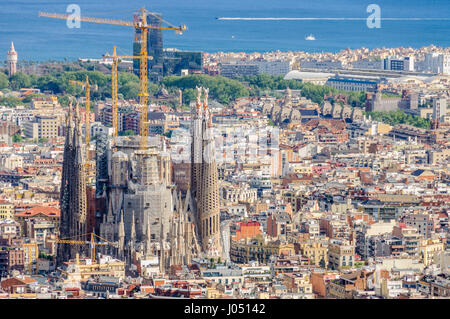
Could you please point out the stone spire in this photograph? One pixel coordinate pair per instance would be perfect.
(132, 241)
(191, 236)
(77, 141)
(110, 216)
(69, 117)
(172, 239)
(121, 235)
(65, 190)
(181, 237)
(148, 244)
(133, 230)
(77, 114)
(108, 228)
(73, 200)
(208, 201)
(204, 178)
(198, 102)
(175, 201)
(162, 257)
(196, 147)
(205, 99)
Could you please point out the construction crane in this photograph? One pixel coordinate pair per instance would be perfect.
(87, 103)
(92, 243)
(114, 75)
(143, 83)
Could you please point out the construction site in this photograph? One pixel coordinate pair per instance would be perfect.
(138, 213)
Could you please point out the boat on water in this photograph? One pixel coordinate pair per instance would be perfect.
(310, 38)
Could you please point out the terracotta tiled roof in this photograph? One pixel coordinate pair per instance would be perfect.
(28, 280)
(37, 210)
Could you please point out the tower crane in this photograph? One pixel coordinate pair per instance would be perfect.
(91, 242)
(114, 75)
(87, 89)
(143, 83)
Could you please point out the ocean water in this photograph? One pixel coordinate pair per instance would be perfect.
(41, 39)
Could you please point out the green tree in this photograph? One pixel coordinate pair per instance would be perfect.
(126, 77)
(153, 88)
(10, 101)
(4, 82)
(28, 98)
(189, 95)
(20, 80)
(17, 138)
(130, 90)
(50, 83)
(399, 117)
(63, 100)
(222, 89)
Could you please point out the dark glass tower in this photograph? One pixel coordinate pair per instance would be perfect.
(155, 39)
(154, 47)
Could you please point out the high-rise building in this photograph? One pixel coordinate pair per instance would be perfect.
(176, 61)
(155, 39)
(439, 108)
(73, 199)
(154, 46)
(12, 60)
(164, 61)
(204, 178)
(437, 63)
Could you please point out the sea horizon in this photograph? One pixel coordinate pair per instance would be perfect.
(267, 26)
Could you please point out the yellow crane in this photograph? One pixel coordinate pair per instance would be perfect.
(87, 89)
(92, 243)
(114, 75)
(143, 83)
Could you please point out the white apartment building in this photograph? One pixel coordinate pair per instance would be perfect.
(248, 68)
(42, 127)
(399, 64)
(437, 63)
(439, 108)
(313, 64)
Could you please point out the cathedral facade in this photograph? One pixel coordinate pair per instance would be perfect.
(146, 215)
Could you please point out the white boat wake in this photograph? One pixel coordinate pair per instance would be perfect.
(328, 19)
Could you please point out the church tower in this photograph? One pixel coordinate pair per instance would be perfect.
(196, 146)
(204, 176)
(73, 200)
